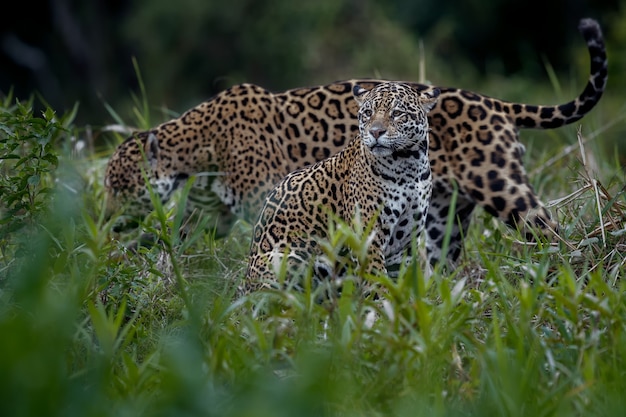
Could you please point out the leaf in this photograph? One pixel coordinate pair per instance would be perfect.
(52, 158)
(49, 114)
(33, 180)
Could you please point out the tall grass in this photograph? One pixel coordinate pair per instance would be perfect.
(90, 328)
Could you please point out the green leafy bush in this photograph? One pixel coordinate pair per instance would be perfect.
(29, 157)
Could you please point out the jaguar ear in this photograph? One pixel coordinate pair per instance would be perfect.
(151, 150)
(359, 93)
(429, 98)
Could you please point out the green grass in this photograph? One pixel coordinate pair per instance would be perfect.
(91, 329)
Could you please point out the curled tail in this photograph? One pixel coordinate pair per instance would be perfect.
(549, 117)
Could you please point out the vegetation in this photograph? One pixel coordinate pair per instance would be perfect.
(91, 329)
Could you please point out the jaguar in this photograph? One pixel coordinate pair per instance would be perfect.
(382, 177)
(240, 143)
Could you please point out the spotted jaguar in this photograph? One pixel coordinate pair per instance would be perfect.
(382, 177)
(239, 144)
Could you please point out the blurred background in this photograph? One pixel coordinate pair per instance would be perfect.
(71, 51)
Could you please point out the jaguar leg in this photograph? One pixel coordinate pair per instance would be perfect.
(436, 223)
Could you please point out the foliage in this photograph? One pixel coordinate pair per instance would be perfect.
(92, 328)
(28, 161)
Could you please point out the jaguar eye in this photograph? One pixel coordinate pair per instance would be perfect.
(396, 113)
(366, 112)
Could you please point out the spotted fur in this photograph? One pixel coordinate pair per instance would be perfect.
(248, 139)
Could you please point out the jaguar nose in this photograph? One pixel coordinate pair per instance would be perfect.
(377, 132)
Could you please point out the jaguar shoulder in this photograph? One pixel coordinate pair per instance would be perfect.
(244, 140)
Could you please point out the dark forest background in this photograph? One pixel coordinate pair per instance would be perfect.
(72, 51)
